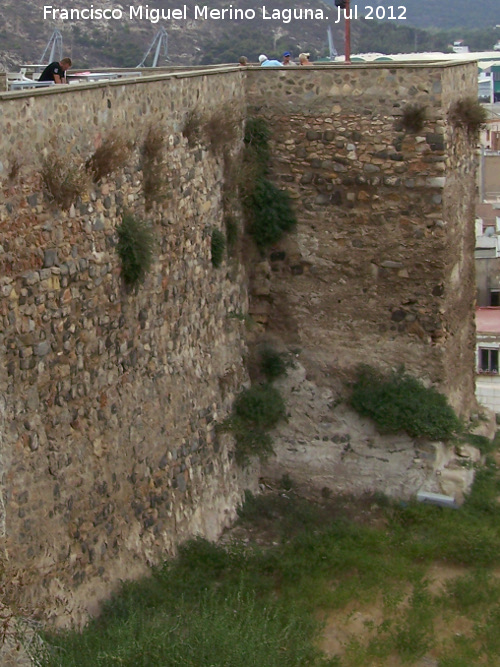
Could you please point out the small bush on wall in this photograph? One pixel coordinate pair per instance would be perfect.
(270, 213)
(221, 129)
(192, 127)
(468, 114)
(63, 180)
(217, 247)
(255, 412)
(268, 210)
(257, 135)
(135, 248)
(413, 118)
(400, 402)
(111, 155)
(272, 364)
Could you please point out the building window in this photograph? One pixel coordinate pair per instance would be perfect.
(494, 297)
(488, 360)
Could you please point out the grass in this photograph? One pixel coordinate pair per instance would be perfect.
(109, 157)
(317, 567)
(135, 248)
(63, 180)
(221, 129)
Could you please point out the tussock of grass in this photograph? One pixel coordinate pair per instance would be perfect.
(135, 248)
(111, 155)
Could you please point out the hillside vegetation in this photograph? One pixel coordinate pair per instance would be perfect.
(24, 33)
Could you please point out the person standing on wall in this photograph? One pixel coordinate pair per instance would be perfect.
(304, 59)
(265, 62)
(56, 72)
(286, 60)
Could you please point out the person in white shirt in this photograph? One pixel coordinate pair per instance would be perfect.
(265, 62)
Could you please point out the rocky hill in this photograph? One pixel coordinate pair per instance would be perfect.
(123, 40)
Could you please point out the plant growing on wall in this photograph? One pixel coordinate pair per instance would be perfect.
(153, 169)
(255, 412)
(468, 114)
(63, 180)
(257, 135)
(413, 118)
(269, 212)
(399, 402)
(268, 209)
(273, 364)
(135, 248)
(217, 247)
(191, 129)
(221, 129)
(111, 155)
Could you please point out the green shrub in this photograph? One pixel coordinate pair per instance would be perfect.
(217, 247)
(255, 411)
(272, 363)
(257, 135)
(270, 213)
(260, 406)
(400, 402)
(135, 248)
(468, 114)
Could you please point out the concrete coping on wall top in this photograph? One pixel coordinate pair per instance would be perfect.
(181, 73)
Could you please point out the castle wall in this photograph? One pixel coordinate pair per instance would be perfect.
(109, 398)
(380, 269)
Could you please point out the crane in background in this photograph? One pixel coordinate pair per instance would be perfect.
(331, 45)
(54, 48)
(160, 46)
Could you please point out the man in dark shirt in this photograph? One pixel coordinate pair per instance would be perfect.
(56, 71)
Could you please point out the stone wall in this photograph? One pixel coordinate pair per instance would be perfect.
(380, 269)
(109, 398)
